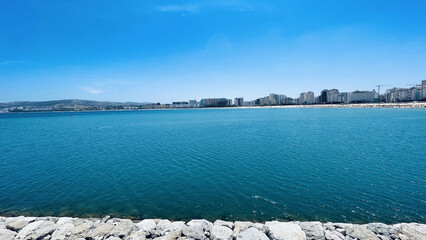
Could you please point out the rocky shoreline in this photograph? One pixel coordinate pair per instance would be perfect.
(61, 228)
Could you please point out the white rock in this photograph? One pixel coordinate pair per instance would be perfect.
(252, 234)
(17, 225)
(113, 238)
(360, 232)
(82, 226)
(195, 232)
(381, 229)
(413, 231)
(63, 232)
(164, 227)
(313, 230)
(241, 226)
(224, 223)
(64, 220)
(221, 233)
(170, 236)
(122, 228)
(261, 227)
(178, 225)
(36, 230)
(204, 224)
(333, 235)
(285, 231)
(138, 235)
(6, 234)
(101, 230)
(146, 225)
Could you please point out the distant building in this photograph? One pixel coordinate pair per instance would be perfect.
(423, 91)
(343, 97)
(362, 96)
(249, 103)
(215, 102)
(265, 101)
(274, 99)
(404, 94)
(307, 98)
(180, 104)
(332, 96)
(193, 103)
(238, 102)
(323, 97)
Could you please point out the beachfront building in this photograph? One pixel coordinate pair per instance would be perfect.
(307, 98)
(215, 102)
(193, 103)
(423, 91)
(238, 102)
(274, 99)
(362, 96)
(343, 97)
(332, 96)
(180, 104)
(265, 101)
(323, 97)
(404, 94)
(249, 103)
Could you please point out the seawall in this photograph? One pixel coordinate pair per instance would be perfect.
(61, 228)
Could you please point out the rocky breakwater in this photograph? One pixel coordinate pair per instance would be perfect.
(54, 228)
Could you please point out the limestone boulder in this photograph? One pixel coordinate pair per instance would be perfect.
(201, 223)
(412, 231)
(6, 234)
(122, 228)
(36, 230)
(195, 232)
(284, 231)
(17, 225)
(138, 235)
(241, 226)
(100, 230)
(333, 235)
(360, 232)
(252, 234)
(63, 231)
(224, 223)
(146, 225)
(313, 230)
(221, 233)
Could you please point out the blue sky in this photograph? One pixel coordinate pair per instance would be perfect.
(163, 51)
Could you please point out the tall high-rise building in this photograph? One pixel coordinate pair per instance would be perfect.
(332, 96)
(423, 91)
(238, 102)
(323, 97)
(192, 103)
(307, 98)
(362, 96)
(215, 102)
(274, 99)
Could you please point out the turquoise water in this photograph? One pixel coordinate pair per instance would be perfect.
(342, 165)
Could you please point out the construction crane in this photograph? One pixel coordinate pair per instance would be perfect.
(378, 90)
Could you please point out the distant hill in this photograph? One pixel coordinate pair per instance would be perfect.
(68, 102)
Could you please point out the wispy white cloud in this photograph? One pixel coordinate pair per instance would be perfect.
(179, 8)
(92, 90)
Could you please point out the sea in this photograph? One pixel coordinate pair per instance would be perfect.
(305, 164)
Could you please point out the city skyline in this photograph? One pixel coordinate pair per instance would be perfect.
(166, 51)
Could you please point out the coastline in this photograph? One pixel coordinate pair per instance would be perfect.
(59, 228)
(406, 105)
